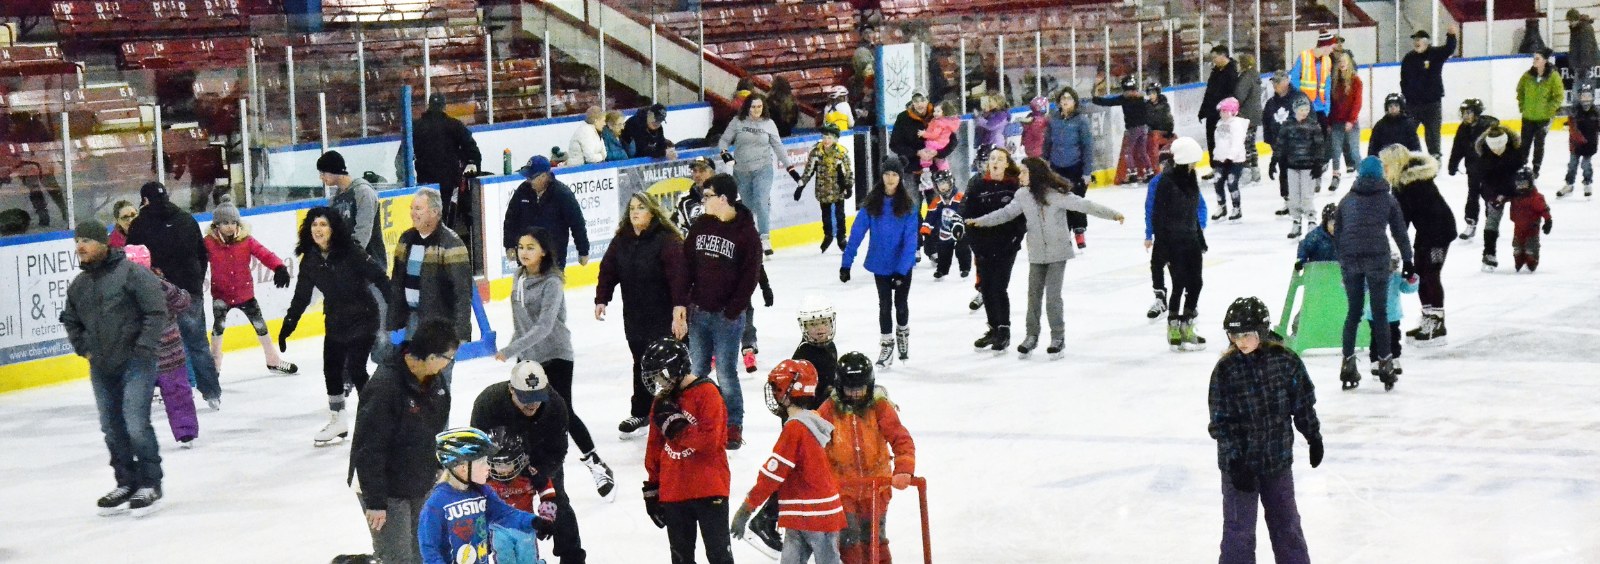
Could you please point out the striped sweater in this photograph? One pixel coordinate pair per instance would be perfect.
(799, 471)
(431, 277)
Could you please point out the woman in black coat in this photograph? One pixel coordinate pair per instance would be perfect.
(1412, 174)
(331, 262)
(994, 248)
(646, 258)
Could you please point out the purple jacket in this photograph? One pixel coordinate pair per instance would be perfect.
(992, 128)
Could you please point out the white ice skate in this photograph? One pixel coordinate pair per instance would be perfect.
(334, 432)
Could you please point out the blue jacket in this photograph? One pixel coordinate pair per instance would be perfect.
(893, 249)
(1397, 285)
(450, 513)
(1067, 142)
(614, 149)
(1368, 215)
(1318, 246)
(1149, 208)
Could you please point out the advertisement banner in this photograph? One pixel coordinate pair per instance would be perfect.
(595, 189)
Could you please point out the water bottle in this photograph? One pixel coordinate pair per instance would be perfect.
(505, 161)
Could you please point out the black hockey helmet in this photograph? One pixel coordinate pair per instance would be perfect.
(1473, 105)
(512, 458)
(1524, 179)
(1130, 83)
(663, 364)
(1152, 87)
(854, 372)
(1394, 99)
(1328, 212)
(1247, 315)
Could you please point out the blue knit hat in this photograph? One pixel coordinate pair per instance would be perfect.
(1370, 167)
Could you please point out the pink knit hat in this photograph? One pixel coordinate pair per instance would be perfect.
(1229, 104)
(139, 254)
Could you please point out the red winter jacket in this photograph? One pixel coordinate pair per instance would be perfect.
(799, 471)
(694, 465)
(1346, 108)
(231, 278)
(1526, 211)
(521, 491)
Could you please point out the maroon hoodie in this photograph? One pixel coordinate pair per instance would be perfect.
(724, 260)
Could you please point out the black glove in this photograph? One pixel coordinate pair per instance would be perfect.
(899, 280)
(652, 504)
(280, 276)
(766, 295)
(1547, 224)
(1407, 269)
(795, 175)
(1316, 451)
(740, 519)
(1453, 169)
(1241, 477)
(670, 418)
(727, 157)
(797, 191)
(1272, 169)
(283, 332)
(1299, 265)
(844, 275)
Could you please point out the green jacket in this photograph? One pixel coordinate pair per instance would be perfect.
(1538, 97)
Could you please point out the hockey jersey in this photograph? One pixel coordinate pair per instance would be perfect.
(693, 465)
(799, 472)
(522, 491)
(943, 221)
(454, 525)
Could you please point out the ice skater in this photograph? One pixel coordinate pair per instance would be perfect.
(230, 249)
(1302, 160)
(1499, 160)
(888, 220)
(1366, 217)
(1158, 262)
(829, 166)
(1398, 284)
(1464, 148)
(172, 377)
(1412, 175)
(1528, 208)
(455, 521)
(869, 445)
(1583, 127)
(1228, 158)
(943, 230)
(798, 472)
(1177, 237)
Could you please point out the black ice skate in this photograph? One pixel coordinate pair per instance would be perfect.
(1283, 210)
(604, 480)
(1333, 185)
(827, 241)
(632, 428)
(144, 501)
(977, 301)
(286, 368)
(115, 502)
(1002, 339)
(985, 341)
(1026, 348)
(1432, 332)
(1057, 348)
(1385, 373)
(1159, 307)
(1349, 374)
(1489, 262)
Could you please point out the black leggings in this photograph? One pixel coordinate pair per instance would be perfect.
(994, 276)
(1533, 134)
(1430, 262)
(560, 373)
(345, 361)
(833, 219)
(1184, 265)
(886, 292)
(707, 516)
(1474, 197)
(251, 309)
(639, 402)
(1158, 265)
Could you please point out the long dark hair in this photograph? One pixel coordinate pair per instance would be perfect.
(1042, 179)
(340, 241)
(902, 199)
(766, 107)
(547, 263)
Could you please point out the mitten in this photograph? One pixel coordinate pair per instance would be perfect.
(1241, 477)
(1316, 450)
(797, 191)
(1547, 224)
(844, 275)
(1407, 269)
(727, 157)
(1299, 265)
(793, 174)
(280, 276)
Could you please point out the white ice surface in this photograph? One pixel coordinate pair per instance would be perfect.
(1486, 451)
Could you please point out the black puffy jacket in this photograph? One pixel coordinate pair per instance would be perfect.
(1300, 145)
(1465, 145)
(392, 453)
(1498, 173)
(345, 279)
(1393, 130)
(1174, 223)
(1422, 205)
(176, 247)
(984, 196)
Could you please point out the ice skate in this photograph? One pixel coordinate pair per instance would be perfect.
(1283, 210)
(1026, 348)
(1470, 232)
(334, 432)
(286, 368)
(1175, 334)
(632, 428)
(1191, 341)
(1002, 339)
(115, 502)
(840, 243)
(1588, 189)
(214, 403)
(1333, 184)
(766, 540)
(902, 340)
(1238, 213)
(827, 241)
(749, 359)
(1295, 230)
(735, 437)
(1057, 348)
(977, 301)
(885, 351)
(1349, 374)
(1489, 262)
(1158, 307)
(1385, 373)
(1564, 191)
(604, 480)
(145, 501)
(985, 341)
(1222, 211)
(1396, 364)
(1432, 332)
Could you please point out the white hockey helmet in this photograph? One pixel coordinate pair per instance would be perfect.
(816, 318)
(1185, 151)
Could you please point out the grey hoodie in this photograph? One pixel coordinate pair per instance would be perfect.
(756, 144)
(819, 427)
(1049, 235)
(539, 319)
(1364, 213)
(115, 311)
(358, 204)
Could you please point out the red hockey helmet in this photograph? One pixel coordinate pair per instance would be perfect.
(790, 381)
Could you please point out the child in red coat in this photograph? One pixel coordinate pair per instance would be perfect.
(229, 248)
(685, 462)
(799, 471)
(1527, 208)
(509, 478)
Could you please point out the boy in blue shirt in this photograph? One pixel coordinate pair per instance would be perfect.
(453, 527)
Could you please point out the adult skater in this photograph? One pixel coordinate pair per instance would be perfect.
(646, 258)
(355, 200)
(178, 251)
(1422, 81)
(1258, 389)
(1364, 215)
(1178, 239)
(994, 248)
(1069, 146)
(114, 316)
(1278, 112)
(888, 219)
(1499, 159)
(687, 478)
(1540, 94)
(723, 259)
(1222, 83)
(906, 141)
(405, 404)
(1412, 176)
(1044, 205)
(331, 263)
(757, 150)
(540, 334)
(431, 273)
(528, 407)
(542, 201)
(1136, 129)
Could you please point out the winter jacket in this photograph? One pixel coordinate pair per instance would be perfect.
(118, 238)
(170, 353)
(799, 472)
(1527, 209)
(232, 280)
(824, 358)
(349, 309)
(1317, 246)
(1135, 110)
(1278, 112)
(984, 196)
(944, 213)
(444, 148)
(1033, 134)
(1397, 285)
(176, 246)
(1582, 53)
(555, 211)
(524, 492)
(453, 526)
(1539, 97)
(941, 132)
(1222, 83)
(1421, 203)
(544, 436)
(1253, 398)
(441, 286)
(906, 139)
(1583, 127)
(614, 149)
(585, 146)
(1464, 147)
(1421, 81)
(893, 246)
(651, 270)
(723, 260)
(1069, 141)
(839, 115)
(1175, 225)
(785, 114)
(1347, 105)
(1300, 145)
(991, 127)
(1248, 92)
(1230, 139)
(830, 167)
(1160, 115)
(1498, 173)
(867, 443)
(1364, 215)
(688, 209)
(539, 318)
(392, 453)
(693, 465)
(640, 140)
(1150, 206)
(1393, 130)
(1049, 234)
(358, 205)
(116, 311)
(756, 145)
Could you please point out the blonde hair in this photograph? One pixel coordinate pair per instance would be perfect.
(613, 116)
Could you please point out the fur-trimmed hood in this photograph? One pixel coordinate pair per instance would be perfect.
(1403, 168)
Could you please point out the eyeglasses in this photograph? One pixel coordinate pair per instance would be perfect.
(708, 194)
(128, 217)
(447, 358)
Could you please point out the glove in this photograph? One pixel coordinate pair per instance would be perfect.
(844, 275)
(727, 157)
(1407, 269)
(280, 276)
(1453, 169)
(1547, 224)
(283, 333)
(670, 418)
(798, 190)
(1241, 477)
(544, 525)
(1299, 265)
(766, 295)
(652, 504)
(1316, 451)
(899, 280)
(795, 175)
(740, 518)
(1272, 169)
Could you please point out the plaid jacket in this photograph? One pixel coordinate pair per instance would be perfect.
(1252, 399)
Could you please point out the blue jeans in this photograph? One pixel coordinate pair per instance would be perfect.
(1346, 144)
(122, 395)
(512, 546)
(1572, 169)
(713, 335)
(192, 325)
(1358, 286)
(1276, 496)
(755, 190)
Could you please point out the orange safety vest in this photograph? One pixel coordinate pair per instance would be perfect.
(1315, 75)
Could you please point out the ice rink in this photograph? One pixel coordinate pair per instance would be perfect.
(1488, 449)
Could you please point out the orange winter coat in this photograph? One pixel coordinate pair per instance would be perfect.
(864, 441)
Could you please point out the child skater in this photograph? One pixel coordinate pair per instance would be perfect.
(941, 132)
(942, 228)
(1583, 126)
(1035, 126)
(230, 248)
(1228, 157)
(868, 443)
(1398, 284)
(453, 525)
(798, 471)
(1527, 209)
(509, 478)
(172, 376)
(830, 166)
